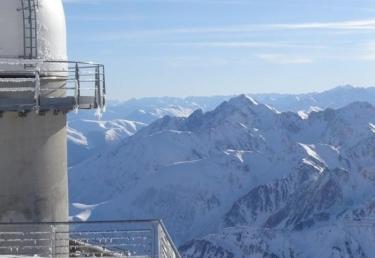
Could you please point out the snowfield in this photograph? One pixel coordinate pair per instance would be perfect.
(243, 180)
(89, 137)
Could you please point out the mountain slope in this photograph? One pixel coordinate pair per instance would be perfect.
(89, 137)
(242, 165)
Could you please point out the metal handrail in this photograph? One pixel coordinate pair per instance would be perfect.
(147, 238)
(169, 238)
(80, 77)
(134, 221)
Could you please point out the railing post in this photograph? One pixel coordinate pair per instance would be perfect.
(53, 242)
(167, 243)
(37, 92)
(104, 87)
(97, 86)
(78, 85)
(156, 242)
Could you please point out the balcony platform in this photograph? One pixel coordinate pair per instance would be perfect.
(64, 104)
(80, 86)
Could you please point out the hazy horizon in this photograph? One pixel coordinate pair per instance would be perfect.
(237, 94)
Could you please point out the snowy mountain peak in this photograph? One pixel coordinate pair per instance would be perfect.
(344, 87)
(243, 100)
(245, 107)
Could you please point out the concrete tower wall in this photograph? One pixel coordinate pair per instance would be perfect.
(33, 167)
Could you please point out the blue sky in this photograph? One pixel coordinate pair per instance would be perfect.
(218, 47)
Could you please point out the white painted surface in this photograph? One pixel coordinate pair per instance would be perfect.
(51, 29)
(11, 27)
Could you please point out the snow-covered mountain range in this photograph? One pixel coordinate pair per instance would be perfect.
(87, 137)
(147, 110)
(243, 180)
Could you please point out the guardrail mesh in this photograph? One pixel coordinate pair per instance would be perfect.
(88, 239)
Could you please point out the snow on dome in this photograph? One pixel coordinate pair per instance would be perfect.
(51, 29)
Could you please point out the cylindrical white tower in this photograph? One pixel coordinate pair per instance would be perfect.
(38, 86)
(33, 159)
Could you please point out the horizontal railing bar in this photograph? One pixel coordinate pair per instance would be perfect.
(68, 88)
(98, 222)
(16, 61)
(106, 231)
(68, 70)
(16, 90)
(25, 247)
(24, 240)
(135, 242)
(73, 62)
(145, 242)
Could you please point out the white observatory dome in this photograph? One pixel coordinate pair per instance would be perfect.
(35, 73)
(32, 29)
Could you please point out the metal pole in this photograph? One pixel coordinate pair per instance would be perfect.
(37, 92)
(78, 84)
(104, 87)
(30, 30)
(24, 28)
(97, 86)
(156, 242)
(53, 241)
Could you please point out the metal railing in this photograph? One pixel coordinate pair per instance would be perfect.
(52, 85)
(144, 238)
